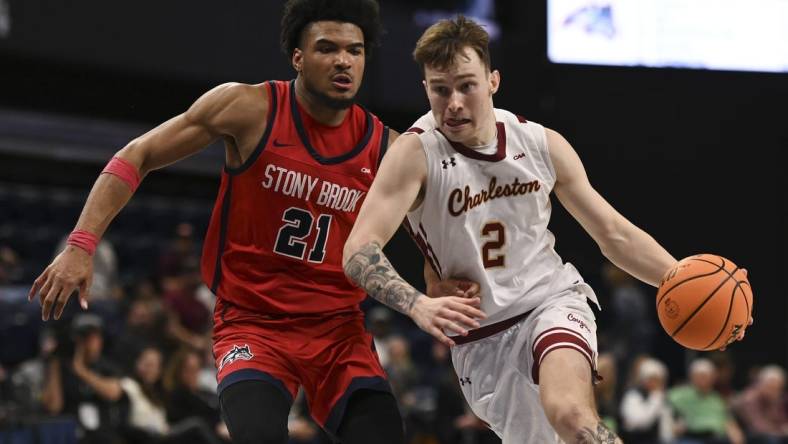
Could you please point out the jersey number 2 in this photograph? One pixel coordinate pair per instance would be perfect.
(298, 225)
(496, 232)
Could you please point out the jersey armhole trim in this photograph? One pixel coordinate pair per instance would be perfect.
(223, 222)
(425, 186)
(384, 144)
(272, 110)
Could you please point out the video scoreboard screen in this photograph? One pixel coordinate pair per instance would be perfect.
(731, 35)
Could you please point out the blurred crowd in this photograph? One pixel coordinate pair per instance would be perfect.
(137, 367)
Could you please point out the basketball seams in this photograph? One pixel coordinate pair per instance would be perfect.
(700, 259)
(727, 316)
(702, 304)
(730, 273)
(661, 298)
(719, 267)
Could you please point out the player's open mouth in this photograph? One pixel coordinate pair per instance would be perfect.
(342, 81)
(453, 123)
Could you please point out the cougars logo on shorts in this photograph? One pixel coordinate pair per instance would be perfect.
(238, 352)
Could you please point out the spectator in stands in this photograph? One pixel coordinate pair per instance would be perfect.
(27, 382)
(147, 420)
(702, 415)
(182, 253)
(761, 407)
(85, 384)
(455, 422)
(189, 319)
(145, 325)
(183, 397)
(632, 326)
(379, 319)
(11, 270)
(605, 390)
(402, 372)
(645, 413)
(146, 399)
(439, 367)
(726, 370)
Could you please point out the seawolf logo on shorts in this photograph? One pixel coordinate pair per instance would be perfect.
(238, 352)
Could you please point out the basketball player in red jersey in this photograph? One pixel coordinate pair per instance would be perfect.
(300, 158)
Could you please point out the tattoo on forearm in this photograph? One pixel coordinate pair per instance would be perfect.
(371, 270)
(603, 435)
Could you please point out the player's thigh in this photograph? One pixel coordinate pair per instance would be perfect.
(565, 383)
(562, 354)
(336, 368)
(371, 416)
(256, 412)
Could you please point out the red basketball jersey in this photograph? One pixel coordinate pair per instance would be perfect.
(274, 244)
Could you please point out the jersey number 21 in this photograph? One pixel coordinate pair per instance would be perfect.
(297, 227)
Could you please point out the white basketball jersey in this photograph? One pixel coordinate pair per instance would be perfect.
(484, 217)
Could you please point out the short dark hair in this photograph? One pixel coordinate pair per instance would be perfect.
(299, 13)
(85, 323)
(442, 42)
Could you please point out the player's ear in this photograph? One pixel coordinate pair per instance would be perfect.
(297, 60)
(495, 81)
(424, 82)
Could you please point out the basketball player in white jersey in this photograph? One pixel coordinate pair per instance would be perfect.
(474, 183)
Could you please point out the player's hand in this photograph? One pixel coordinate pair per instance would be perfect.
(453, 287)
(739, 337)
(452, 313)
(71, 270)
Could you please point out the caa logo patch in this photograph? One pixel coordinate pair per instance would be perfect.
(238, 352)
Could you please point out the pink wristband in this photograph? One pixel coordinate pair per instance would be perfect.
(124, 171)
(84, 240)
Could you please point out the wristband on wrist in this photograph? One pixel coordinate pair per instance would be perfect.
(84, 240)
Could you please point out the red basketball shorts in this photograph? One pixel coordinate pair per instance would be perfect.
(329, 355)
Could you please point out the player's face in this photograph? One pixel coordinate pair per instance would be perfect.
(330, 62)
(461, 98)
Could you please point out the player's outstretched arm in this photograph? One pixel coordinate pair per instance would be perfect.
(626, 245)
(395, 190)
(220, 112)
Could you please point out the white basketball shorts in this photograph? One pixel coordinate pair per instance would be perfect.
(499, 370)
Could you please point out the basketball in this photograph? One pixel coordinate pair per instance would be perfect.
(704, 302)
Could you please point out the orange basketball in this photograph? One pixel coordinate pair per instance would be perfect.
(704, 302)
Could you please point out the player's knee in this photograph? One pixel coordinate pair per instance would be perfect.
(566, 417)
